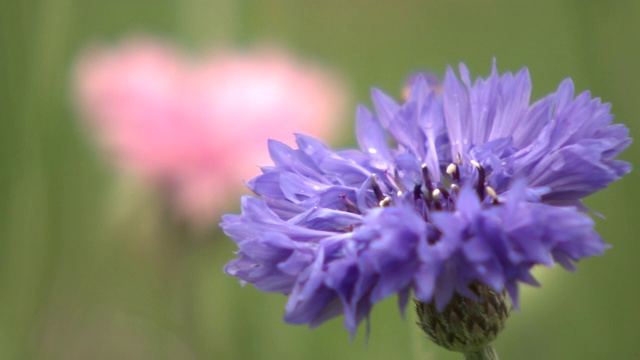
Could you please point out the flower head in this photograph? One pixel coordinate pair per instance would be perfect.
(171, 120)
(476, 185)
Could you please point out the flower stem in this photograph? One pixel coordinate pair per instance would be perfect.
(487, 353)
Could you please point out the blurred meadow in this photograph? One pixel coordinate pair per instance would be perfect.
(88, 269)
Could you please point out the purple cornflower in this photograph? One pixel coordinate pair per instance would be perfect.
(461, 183)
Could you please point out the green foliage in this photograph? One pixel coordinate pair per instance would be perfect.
(82, 278)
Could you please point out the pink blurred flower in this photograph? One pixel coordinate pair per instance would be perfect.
(195, 128)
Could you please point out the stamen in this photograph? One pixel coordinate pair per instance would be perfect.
(426, 178)
(385, 202)
(417, 192)
(437, 196)
(458, 159)
(395, 180)
(455, 188)
(480, 184)
(351, 206)
(492, 193)
(445, 193)
(376, 187)
(454, 172)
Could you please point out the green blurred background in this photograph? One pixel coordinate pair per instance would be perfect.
(72, 285)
